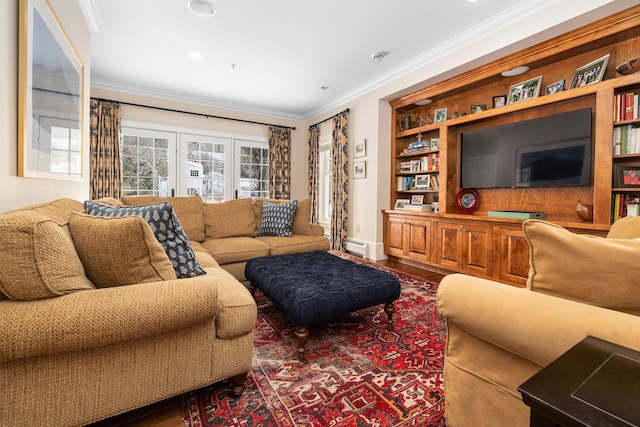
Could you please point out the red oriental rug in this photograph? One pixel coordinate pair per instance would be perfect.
(356, 374)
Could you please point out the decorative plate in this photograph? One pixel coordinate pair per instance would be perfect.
(467, 200)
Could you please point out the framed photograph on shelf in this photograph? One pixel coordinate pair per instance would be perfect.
(417, 199)
(477, 108)
(525, 90)
(440, 115)
(400, 203)
(359, 170)
(499, 101)
(422, 182)
(360, 149)
(554, 87)
(590, 73)
(627, 175)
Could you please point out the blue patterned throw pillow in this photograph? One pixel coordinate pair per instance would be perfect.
(277, 218)
(165, 227)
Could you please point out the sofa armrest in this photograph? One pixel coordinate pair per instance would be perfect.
(535, 326)
(315, 230)
(95, 318)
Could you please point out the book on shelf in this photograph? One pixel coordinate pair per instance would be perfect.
(626, 140)
(418, 207)
(626, 106)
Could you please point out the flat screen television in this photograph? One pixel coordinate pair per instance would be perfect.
(548, 151)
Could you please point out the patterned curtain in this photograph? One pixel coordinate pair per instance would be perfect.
(314, 156)
(105, 177)
(279, 162)
(339, 205)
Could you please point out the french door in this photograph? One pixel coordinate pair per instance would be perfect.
(217, 168)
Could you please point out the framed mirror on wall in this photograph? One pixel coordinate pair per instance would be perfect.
(50, 96)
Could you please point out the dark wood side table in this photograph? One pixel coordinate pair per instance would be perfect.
(595, 383)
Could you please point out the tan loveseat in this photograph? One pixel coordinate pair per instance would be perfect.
(228, 231)
(72, 353)
(498, 336)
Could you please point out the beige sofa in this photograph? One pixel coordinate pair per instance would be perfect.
(228, 231)
(72, 353)
(498, 336)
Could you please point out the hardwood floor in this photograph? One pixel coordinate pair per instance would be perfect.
(168, 412)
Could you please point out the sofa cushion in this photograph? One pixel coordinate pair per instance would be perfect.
(188, 209)
(37, 258)
(235, 249)
(165, 227)
(296, 243)
(277, 218)
(233, 218)
(119, 251)
(593, 270)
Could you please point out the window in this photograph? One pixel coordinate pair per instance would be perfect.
(217, 168)
(204, 161)
(147, 162)
(252, 177)
(325, 179)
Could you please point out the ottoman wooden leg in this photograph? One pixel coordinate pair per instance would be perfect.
(302, 333)
(238, 384)
(389, 309)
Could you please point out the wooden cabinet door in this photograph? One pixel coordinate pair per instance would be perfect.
(477, 249)
(394, 235)
(512, 257)
(418, 240)
(449, 241)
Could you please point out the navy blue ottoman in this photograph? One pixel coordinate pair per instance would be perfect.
(313, 287)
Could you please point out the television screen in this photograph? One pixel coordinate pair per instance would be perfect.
(547, 151)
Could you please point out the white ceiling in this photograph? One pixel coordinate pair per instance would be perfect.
(273, 56)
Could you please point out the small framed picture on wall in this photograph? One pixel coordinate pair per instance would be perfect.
(359, 170)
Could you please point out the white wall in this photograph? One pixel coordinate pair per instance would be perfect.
(15, 191)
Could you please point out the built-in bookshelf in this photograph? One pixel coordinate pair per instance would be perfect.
(472, 241)
(626, 153)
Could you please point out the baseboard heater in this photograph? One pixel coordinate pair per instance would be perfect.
(356, 248)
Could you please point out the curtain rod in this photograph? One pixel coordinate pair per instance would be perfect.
(195, 114)
(329, 118)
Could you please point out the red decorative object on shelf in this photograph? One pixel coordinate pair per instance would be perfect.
(467, 200)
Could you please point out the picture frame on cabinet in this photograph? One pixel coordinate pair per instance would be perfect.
(360, 148)
(417, 199)
(627, 175)
(401, 202)
(554, 87)
(499, 101)
(590, 73)
(440, 115)
(478, 108)
(523, 91)
(359, 170)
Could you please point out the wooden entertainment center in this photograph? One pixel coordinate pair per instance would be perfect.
(475, 243)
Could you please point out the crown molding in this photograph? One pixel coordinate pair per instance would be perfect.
(203, 102)
(92, 15)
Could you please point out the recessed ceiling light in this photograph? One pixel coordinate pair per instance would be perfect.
(515, 71)
(196, 56)
(424, 102)
(202, 8)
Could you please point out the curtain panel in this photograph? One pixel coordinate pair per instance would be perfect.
(105, 175)
(339, 205)
(279, 162)
(314, 164)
